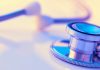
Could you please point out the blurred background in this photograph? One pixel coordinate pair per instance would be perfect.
(24, 47)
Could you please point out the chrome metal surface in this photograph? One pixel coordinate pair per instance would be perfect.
(83, 40)
(61, 50)
(83, 45)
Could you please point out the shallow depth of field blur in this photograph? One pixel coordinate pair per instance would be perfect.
(24, 47)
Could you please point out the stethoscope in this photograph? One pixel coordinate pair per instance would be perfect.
(81, 49)
(83, 46)
(34, 9)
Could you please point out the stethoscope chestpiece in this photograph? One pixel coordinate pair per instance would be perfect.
(82, 48)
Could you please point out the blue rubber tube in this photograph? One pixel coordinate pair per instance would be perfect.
(55, 20)
(12, 15)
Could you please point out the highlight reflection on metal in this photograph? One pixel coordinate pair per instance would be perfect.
(97, 54)
(83, 47)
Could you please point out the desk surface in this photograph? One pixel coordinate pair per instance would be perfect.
(22, 47)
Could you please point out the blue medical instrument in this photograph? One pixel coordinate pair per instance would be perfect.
(80, 49)
(83, 47)
(35, 9)
(32, 9)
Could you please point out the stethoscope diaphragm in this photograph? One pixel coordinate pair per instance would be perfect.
(81, 48)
